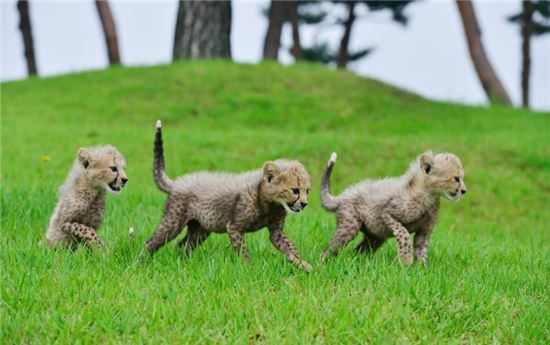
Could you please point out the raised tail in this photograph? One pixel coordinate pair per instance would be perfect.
(329, 202)
(164, 183)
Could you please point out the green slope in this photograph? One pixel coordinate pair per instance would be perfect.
(489, 273)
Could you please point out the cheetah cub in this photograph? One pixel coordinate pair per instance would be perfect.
(81, 205)
(394, 206)
(216, 202)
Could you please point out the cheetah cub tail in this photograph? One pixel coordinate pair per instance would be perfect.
(164, 183)
(329, 202)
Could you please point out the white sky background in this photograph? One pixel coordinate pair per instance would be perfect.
(429, 56)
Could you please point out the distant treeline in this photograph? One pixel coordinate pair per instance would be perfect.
(203, 30)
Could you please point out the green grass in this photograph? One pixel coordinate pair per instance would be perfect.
(489, 274)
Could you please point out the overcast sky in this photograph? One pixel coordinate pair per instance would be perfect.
(429, 56)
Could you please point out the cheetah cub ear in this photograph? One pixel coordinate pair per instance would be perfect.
(270, 171)
(426, 161)
(84, 157)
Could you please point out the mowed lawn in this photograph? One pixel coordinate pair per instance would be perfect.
(489, 275)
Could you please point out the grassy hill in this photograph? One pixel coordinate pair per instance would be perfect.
(489, 267)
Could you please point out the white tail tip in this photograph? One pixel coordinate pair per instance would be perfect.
(131, 231)
(333, 157)
(159, 124)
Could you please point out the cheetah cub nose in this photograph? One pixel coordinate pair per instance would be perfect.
(124, 180)
(303, 204)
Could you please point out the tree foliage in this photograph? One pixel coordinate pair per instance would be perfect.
(397, 9)
(540, 18)
(533, 20)
(323, 53)
(318, 13)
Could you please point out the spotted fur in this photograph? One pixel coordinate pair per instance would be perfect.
(81, 205)
(216, 202)
(395, 206)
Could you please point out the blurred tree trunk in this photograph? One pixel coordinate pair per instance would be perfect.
(109, 31)
(277, 17)
(343, 55)
(279, 13)
(487, 75)
(294, 19)
(26, 32)
(203, 30)
(526, 32)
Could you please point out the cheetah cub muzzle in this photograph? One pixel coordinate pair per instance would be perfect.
(81, 205)
(216, 202)
(395, 206)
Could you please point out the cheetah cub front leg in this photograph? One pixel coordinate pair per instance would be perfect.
(83, 234)
(403, 239)
(284, 245)
(422, 238)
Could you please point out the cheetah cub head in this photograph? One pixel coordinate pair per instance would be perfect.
(444, 174)
(286, 183)
(103, 167)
